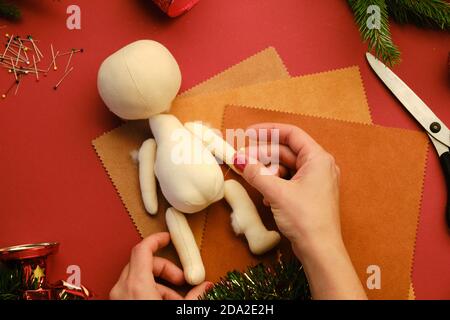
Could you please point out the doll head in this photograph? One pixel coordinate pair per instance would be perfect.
(139, 80)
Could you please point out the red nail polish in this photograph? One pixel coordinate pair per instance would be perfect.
(240, 161)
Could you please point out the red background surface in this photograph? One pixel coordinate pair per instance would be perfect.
(53, 187)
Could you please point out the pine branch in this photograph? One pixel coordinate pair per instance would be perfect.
(379, 38)
(426, 13)
(9, 11)
(282, 281)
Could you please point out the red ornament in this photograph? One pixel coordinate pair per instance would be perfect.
(31, 262)
(174, 8)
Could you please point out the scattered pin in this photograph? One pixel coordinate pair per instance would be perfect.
(53, 63)
(9, 89)
(71, 52)
(39, 53)
(14, 70)
(22, 57)
(35, 68)
(70, 59)
(17, 88)
(62, 79)
(7, 47)
(54, 58)
(18, 55)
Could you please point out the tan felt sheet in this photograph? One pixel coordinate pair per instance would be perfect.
(337, 94)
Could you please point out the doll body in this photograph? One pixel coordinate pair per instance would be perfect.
(190, 180)
(139, 82)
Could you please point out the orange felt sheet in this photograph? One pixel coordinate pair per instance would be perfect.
(381, 186)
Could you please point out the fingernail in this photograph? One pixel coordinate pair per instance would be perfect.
(240, 161)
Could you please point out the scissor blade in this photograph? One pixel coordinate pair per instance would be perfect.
(410, 100)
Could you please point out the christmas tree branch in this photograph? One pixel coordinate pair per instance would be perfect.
(378, 36)
(426, 13)
(9, 11)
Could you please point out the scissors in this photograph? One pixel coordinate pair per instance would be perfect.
(435, 128)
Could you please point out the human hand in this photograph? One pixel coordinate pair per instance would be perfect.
(137, 280)
(305, 207)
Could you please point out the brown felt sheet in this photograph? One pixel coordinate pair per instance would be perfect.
(381, 186)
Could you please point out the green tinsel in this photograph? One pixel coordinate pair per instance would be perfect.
(280, 281)
(10, 283)
(423, 13)
(9, 11)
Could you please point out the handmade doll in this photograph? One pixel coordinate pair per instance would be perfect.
(140, 81)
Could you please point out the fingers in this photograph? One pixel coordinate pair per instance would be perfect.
(267, 153)
(141, 261)
(297, 139)
(257, 175)
(167, 270)
(167, 293)
(280, 170)
(199, 290)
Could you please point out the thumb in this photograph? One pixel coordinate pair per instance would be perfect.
(257, 175)
(199, 290)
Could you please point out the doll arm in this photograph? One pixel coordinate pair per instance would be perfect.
(213, 142)
(187, 249)
(147, 179)
(246, 220)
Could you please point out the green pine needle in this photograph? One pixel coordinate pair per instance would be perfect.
(281, 281)
(379, 40)
(9, 11)
(425, 13)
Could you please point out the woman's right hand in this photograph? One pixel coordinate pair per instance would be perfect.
(306, 210)
(306, 207)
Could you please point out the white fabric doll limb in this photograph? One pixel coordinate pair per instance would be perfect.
(213, 142)
(187, 249)
(147, 179)
(246, 220)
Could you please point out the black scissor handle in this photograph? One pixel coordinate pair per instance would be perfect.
(445, 163)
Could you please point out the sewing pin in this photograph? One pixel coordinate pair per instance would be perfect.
(7, 91)
(62, 79)
(7, 47)
(17, 88)
(35, 68)
(27, 60)
(54, 58)
(18, 55)
(53, 63)
(38, 52)
(11, 50)
(14, 70)
(70, 59)
(72, 51)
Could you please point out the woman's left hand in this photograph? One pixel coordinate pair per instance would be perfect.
(137, 281)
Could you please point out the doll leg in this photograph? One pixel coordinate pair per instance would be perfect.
(246, 220)
(187, 249)
(147, 179)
